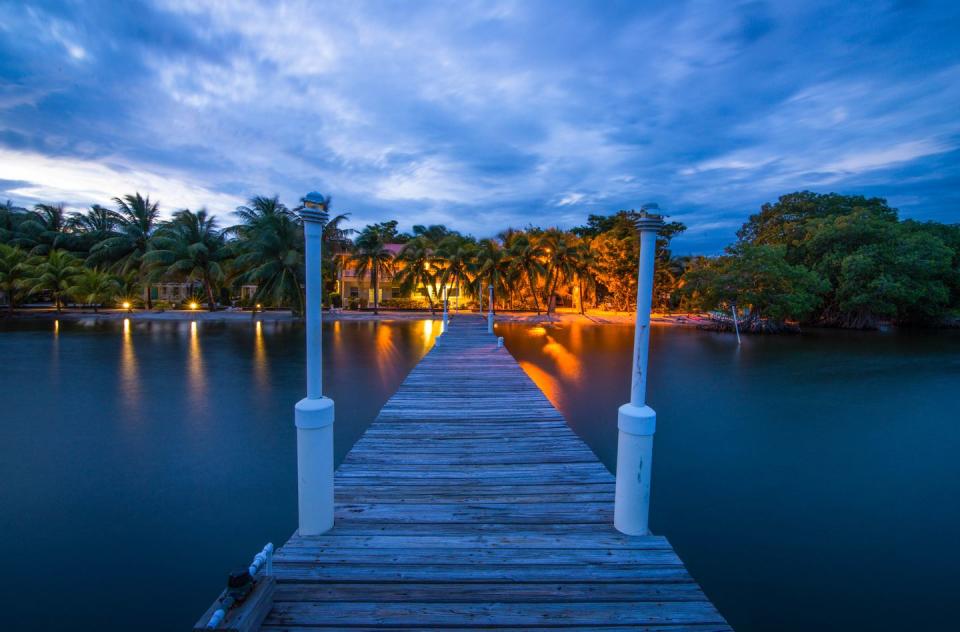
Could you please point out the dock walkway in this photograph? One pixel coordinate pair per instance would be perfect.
(469, 503)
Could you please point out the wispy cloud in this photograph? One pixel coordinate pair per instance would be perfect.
(483, 114)
(40, 178)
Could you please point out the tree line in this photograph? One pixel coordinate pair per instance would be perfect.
(104, 255)
(833, 260)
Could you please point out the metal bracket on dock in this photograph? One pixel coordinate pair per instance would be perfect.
(246, 601)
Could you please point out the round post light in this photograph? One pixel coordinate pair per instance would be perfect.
(314, 413)
(636, 421)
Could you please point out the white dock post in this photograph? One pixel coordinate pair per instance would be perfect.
(736, 325)
(314, 414)
(637, 421)
(490, 311)
(446, 317)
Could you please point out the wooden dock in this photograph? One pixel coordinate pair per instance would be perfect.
(469, 503)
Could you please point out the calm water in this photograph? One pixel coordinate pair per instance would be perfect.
(808, 482)
(140, 464)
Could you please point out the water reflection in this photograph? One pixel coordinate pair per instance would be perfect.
(261, 369)
(566, 362)
(427, 334)
(197, 379)
(386, 349)
(205, 442)
(129, 373)
(55, 355)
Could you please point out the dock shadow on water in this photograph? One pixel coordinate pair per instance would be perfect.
(143, 461)
(808, 482)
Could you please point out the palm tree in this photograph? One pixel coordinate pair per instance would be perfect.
(527, 256)
(189, 247)
(433, 234)
(13, 220)
(98, 220)
(561, 253)
(270, 248)
(53, 273)
(129, 286)
(261, 210)
(13, 273)
(493, 264)
(586, 271)
(137, 218)
(43, 228)
(371, 255)
(94, 287)
(419, 268)
(336, 245)
(458, 254)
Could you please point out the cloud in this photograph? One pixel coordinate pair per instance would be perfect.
(886, 157)
(483, 114)
(40, 178)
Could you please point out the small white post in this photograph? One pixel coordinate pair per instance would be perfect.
(736, 325)
(314, 414)
(637, 421)
(490, 311)
(446, 317)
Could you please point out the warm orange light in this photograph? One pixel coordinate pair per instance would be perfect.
(126, 305)
(259, 306)
(194, 305)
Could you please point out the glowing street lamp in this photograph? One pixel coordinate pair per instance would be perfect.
(127, 306)
(314, 414)
(194, 305)
(637, 421)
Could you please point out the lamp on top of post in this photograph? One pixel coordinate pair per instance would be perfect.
(635, 420)
(314, 413)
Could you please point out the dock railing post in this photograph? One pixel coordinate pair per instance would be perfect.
(490, 311)
(446, 317)
(636, 421)
(314, 413)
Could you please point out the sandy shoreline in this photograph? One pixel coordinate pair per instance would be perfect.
(563, 316)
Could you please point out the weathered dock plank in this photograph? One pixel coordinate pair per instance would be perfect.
(469, 503)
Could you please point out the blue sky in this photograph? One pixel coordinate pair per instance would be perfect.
(482, 115)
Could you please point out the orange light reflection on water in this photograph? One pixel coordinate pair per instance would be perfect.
(567, 363)
(544, 381)
(198, 380)
(386, 350)
(429, 327)
(260, 366)
(129, 372)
